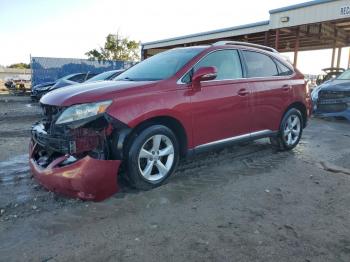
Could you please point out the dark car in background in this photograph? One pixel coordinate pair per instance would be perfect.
(39, 90)
(108, 75)
(332, 98)
(329, 74)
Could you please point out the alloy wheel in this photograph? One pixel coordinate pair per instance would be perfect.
(156, 157)
(292, 130)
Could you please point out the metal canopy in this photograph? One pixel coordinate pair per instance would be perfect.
(314, 25)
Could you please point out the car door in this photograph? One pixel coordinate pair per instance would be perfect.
(271, 90)
(220, 109)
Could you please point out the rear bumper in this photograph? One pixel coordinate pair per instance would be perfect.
(87, 178)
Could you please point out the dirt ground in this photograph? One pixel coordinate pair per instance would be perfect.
(243, 203)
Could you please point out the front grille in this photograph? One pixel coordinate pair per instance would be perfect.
(51, 112)
(57, 144)
(334, 94)
(332, 108)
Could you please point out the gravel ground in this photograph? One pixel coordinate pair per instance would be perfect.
(243, 203)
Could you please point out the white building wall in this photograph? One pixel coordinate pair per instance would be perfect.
(312, 14)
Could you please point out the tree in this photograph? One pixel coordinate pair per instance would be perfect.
(116, 47)
(20, 66)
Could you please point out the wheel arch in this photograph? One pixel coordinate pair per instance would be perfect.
(301, 107)
(172, 123)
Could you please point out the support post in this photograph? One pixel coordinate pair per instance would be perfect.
(277, 39)
(339, 57)
(349, 60)
(267, 36)
(333, 57)
(296, 47)
(320, 31)
(334, 47)
(143, 54)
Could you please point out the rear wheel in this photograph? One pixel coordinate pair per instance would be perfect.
(152, 157)
(290, 132)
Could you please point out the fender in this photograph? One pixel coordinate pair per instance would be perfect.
(133, 110)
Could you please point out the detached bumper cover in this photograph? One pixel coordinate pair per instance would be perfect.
(87, 178)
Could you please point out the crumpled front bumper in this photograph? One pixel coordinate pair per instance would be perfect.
(87, 178)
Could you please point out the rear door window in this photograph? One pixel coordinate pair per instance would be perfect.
(259, 65)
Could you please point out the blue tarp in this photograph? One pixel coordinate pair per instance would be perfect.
(48, 69)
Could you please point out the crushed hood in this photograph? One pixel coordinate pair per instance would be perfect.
(331, 85)
(337, 85)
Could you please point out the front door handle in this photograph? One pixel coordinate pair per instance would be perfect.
(243, 92)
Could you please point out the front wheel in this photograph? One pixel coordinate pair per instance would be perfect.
(290, 132)
(152, 157)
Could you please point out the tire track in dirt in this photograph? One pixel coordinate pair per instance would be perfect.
(14, 170)
(20, 118)
(19, 111)
(15, 133)
(199, 173)
(235, 162)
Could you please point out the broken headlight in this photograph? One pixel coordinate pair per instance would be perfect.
(82, 111)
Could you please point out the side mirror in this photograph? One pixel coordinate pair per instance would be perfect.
(203, 74)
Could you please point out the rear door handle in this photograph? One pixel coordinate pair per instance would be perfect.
(286, 87)
(243, 92)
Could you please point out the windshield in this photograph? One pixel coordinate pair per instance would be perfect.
(66, 77)
(160, 66)
(344, 76)
(102, 76)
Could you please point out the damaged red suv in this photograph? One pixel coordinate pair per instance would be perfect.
(172, 105)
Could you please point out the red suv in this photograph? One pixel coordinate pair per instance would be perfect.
(172, 105)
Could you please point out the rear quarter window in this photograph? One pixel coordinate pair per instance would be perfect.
(283, 70)
(259, 65)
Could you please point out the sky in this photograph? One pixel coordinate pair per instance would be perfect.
(70, 28)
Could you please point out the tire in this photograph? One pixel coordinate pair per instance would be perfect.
(290, 132)
(152, 157)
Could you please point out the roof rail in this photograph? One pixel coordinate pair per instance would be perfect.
(246, 44)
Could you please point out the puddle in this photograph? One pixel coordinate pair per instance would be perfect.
(14, 170)
(15, 180)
